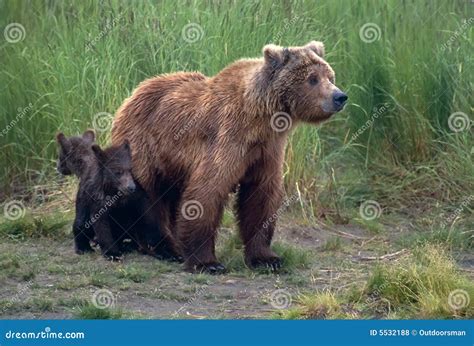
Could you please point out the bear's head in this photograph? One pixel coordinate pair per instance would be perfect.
(74, 153)
(301, 83)
(115, 165)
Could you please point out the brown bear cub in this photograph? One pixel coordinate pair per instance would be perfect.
(110, 205)
(194, 138)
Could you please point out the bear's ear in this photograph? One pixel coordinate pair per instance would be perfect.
(98, 152)
(275, 56)
(317, 47)
(89, 136)
(63, 141)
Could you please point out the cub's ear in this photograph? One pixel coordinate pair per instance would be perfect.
(126, 144)
(275, 56)
(98, 152)
(317, 47)
(63, 141)
(89, 136)
(126, 148)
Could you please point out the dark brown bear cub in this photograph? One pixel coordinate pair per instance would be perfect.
(110, 205)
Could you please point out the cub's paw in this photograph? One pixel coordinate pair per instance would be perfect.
(169, 258)
(83, 249)
(128, 245)
(209, 268)
(273, 263)
(113, 256)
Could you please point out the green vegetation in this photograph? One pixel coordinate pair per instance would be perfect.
(50, 225)
(425, 284)
(393, 144)
(78, 59)
(91, 312)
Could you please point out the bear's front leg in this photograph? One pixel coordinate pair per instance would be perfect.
(81, 228)
(109, 246)
(260, 195)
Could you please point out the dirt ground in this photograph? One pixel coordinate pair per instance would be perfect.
(45, 279)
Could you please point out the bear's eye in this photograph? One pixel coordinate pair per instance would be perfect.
(313, 80)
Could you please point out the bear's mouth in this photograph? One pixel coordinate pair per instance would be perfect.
(339, 108)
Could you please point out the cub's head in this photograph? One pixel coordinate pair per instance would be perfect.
(301, 83)
(74, 153)
(115, 163)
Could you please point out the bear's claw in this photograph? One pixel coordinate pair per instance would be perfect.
(114, 257)
(84, 250)
(210, 268)
(272, 263)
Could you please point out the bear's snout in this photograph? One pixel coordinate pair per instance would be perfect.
(339, 99)
(131, 187)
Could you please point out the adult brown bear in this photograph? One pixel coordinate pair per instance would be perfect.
(195, 138)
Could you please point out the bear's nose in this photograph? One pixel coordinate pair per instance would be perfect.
(339, 99)
(131, 187)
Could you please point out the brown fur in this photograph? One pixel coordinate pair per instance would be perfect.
(225, 138)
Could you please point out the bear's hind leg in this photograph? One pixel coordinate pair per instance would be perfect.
(197, 223)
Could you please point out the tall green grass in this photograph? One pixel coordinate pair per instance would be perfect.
(408, 154)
